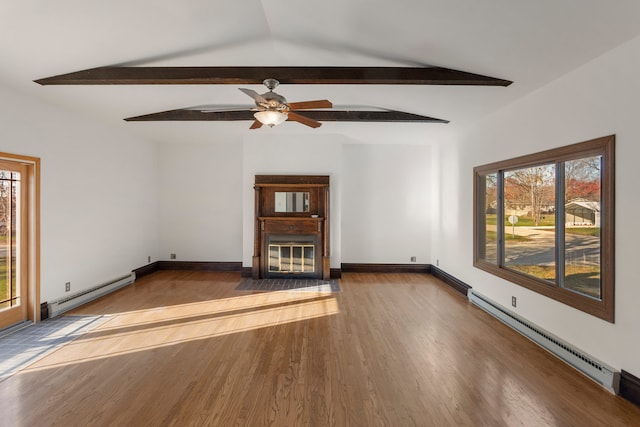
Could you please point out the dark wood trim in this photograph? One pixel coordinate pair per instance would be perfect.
(326, 234)
(439, 274)
(145, 270)
(335, 273)
(385, 268)
(44, 311)
(282, 180)
(269, 222)
(188, 114)
(257, 256)
(291, 218)
(630, 387)
(187, 265)
(578, 150)
(285, 75)
(604, 307)
(450, 280)
(200, 266)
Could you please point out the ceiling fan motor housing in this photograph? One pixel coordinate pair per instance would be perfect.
(274, 101)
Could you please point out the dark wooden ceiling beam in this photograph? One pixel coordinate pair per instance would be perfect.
(319, 115)
(285, 75)
(186, 115)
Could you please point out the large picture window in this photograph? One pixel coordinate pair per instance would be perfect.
(545, 221)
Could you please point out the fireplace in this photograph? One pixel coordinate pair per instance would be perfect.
(292, 256)
(292, 227)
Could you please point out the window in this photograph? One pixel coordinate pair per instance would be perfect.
(546, 222)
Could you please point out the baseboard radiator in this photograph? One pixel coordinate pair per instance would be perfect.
(72, 301)
(593, 368)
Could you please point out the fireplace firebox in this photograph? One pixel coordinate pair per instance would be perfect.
(292, 256)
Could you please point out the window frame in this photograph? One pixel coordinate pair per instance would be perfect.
(605, 147)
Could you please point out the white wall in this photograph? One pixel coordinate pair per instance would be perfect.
(289, 155)
(98, 193)
(200, 192)
(598, 99)
(386, 203)
(380, 196)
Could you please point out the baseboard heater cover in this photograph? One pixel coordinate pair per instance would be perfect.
(604, 375)
(76, 300)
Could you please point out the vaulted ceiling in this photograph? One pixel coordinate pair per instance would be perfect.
(530, 43)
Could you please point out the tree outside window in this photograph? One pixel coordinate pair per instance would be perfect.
(545, 221)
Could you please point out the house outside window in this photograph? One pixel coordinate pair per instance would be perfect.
(545, 221)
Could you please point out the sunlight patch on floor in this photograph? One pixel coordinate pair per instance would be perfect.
(161, 327)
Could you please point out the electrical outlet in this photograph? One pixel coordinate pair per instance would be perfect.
(173, 256)
(67, 286)
(413, 259)
(513, 301)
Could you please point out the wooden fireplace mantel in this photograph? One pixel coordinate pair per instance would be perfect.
(314, 222)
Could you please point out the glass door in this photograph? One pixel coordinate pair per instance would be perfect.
(13, 289)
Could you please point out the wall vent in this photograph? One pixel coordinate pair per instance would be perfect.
(56, 308)
(593, 368)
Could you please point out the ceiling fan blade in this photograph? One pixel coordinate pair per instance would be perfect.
(304, 120)
(256, 124)
(305, 105)
(255, 95)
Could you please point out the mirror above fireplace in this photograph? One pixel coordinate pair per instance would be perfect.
(291, 201)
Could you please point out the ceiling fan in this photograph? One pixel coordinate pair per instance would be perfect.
(271, 103)
(351, 114)
(273, 109)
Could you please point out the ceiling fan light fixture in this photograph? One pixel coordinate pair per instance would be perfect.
(270, 118)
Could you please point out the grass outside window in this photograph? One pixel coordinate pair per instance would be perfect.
(545, 221)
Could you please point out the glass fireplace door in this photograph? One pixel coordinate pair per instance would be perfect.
(291, 257)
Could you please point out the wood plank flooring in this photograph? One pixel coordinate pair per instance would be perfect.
(186, 349)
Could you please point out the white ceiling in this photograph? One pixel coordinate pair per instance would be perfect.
(531, 43)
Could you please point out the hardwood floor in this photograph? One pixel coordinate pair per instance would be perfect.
(183, 348)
